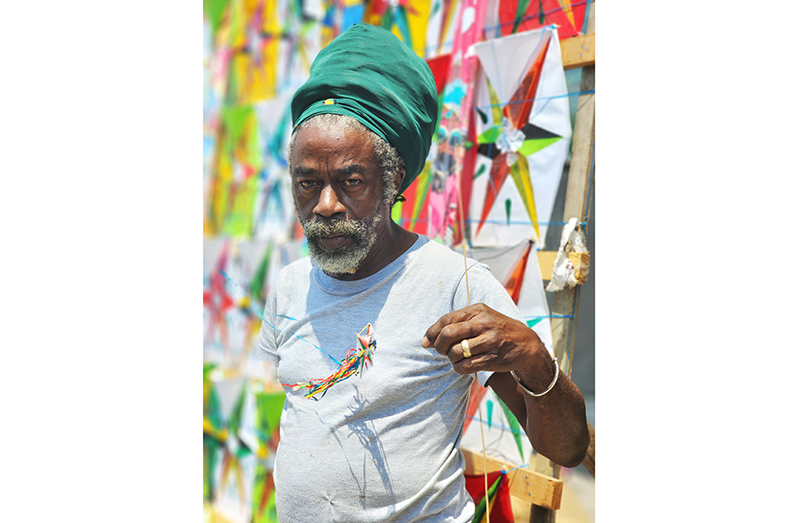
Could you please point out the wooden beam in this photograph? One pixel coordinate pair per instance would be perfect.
(576, 202)
(578, 51)
(576, 198)
(524, 484)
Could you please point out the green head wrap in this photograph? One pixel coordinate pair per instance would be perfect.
(368, 73)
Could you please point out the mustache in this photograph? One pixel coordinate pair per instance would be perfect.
(321, 227)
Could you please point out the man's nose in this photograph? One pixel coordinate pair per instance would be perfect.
(328, 204)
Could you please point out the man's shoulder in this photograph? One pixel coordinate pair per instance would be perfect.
(434, 252)
(436, 255)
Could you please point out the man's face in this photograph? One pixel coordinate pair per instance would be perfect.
(338, 194)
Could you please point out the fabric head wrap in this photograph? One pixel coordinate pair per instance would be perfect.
(368, 73)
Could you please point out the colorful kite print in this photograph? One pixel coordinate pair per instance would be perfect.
(356, 361)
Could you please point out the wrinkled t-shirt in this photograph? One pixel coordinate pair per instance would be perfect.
(383, 445)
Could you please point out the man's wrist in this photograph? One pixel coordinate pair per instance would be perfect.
(541, 382)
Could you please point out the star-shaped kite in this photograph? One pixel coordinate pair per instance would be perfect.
(523, 131)
(511, 139)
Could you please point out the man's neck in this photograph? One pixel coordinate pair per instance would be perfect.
(394, 242)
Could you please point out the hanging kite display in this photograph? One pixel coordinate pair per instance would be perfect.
(357, 359)
(504, 115)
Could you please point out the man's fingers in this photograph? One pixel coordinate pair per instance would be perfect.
(459, 316)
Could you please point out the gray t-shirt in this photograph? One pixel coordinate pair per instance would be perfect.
(381, 446)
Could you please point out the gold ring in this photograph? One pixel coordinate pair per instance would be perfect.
(466, 349)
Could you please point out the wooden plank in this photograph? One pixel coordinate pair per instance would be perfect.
(546, 263)
(576, 199)
(576, 196)
(578, 51)
(525, 484)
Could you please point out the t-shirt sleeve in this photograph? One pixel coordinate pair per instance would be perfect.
(483, 287)
(267, 341)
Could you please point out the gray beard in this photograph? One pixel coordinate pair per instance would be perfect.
(345, 259)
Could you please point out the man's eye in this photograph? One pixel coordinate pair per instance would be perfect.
(352, 182)
(306, 184)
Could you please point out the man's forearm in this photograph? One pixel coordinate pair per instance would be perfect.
(555, 423)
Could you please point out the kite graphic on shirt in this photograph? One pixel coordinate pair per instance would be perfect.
(356, 361)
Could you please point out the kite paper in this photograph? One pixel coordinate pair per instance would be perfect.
(523, 131)
(572, 262)
(505, 438)
(238, 277)
(235, 450)
(234, 172)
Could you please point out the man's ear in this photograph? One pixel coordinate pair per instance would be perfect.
(399, 176)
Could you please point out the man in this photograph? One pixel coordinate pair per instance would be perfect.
(383, 446)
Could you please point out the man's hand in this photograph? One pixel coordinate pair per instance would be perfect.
(555, 421)
(497, 343)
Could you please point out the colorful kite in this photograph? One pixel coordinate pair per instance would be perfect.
(248, 304)
(412, 214)
(214, 434)
(218, 302)
(268, 408)
(275, 213)
(517, 16)
(255, 35)
(235, 449)
(446, 212)
(441, 27)
(523, 131)
(407, 19)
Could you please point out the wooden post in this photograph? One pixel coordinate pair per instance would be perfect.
(576, 199)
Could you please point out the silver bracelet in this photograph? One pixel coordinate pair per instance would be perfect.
(556, 373)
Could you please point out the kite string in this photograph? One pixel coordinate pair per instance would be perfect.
(479, 406)
(468, 301)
